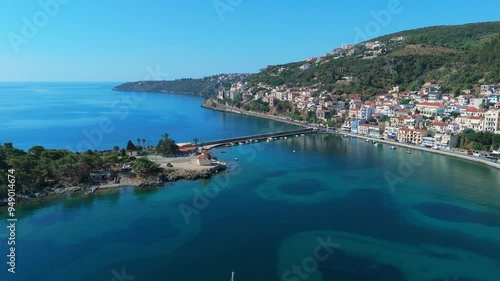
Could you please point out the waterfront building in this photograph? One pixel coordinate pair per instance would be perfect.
(408, 135)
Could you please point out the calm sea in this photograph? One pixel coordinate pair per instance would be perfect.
(316, 207)
(81, 116)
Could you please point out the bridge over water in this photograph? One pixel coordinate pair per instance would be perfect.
(216, 143)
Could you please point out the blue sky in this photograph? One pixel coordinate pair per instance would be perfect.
(107, 40)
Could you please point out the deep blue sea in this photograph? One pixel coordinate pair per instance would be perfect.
(317, 207)
(81, 116)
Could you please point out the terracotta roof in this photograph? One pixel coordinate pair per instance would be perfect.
(187, 148)
(430, 104)
(439, 124)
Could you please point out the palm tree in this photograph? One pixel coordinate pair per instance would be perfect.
(196, 141)
(143, 142)
(139, 141)
(165, 136)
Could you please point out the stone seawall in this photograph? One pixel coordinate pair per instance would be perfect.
(440, 152)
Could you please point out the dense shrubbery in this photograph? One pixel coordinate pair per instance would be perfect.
(485, 141)
(40, 168)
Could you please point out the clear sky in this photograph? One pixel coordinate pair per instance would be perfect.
(107, 40)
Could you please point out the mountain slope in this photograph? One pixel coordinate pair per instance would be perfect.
(457, 57)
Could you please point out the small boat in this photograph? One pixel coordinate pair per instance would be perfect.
(227, 145)
(375, 143)
(235, 159)
(408, 152)
(223, 151)
(285, 137)
(240, 143)
(392, 147)
(232, 275)
(302, 135)
(296, 136)
(367, 140)
(294, 150)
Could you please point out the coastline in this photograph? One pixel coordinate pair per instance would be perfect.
(395, 143)
(157, 181)
(426, 149)
(256, 114)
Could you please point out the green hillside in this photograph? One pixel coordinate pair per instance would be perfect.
(457, 57)
(205, 86)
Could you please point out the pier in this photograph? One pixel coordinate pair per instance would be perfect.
(259, 137)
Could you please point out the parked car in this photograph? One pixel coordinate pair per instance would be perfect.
(169, 164)
(469, 152)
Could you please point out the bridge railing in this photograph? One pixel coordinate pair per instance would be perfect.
(260, 136)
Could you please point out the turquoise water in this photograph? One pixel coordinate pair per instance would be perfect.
(317, 207)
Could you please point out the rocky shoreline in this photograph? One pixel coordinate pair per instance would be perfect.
(158, 181)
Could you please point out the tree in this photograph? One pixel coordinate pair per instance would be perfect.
(167, 146)
(130, 146)
(195, 140)
(143, 142)
(116, 148)
(138, 141)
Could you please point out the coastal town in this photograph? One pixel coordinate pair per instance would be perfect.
(429, 116)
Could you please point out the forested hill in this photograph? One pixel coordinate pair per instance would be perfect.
(457, 57)
(205, 86)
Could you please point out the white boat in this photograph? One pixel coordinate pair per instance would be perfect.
(367, 140)
(285, 137)
(375, 143)
(408, 152)
(235, 159)
(240, 143)
(296, 136)
(393, 147)
(302, 135)
(294, 150)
